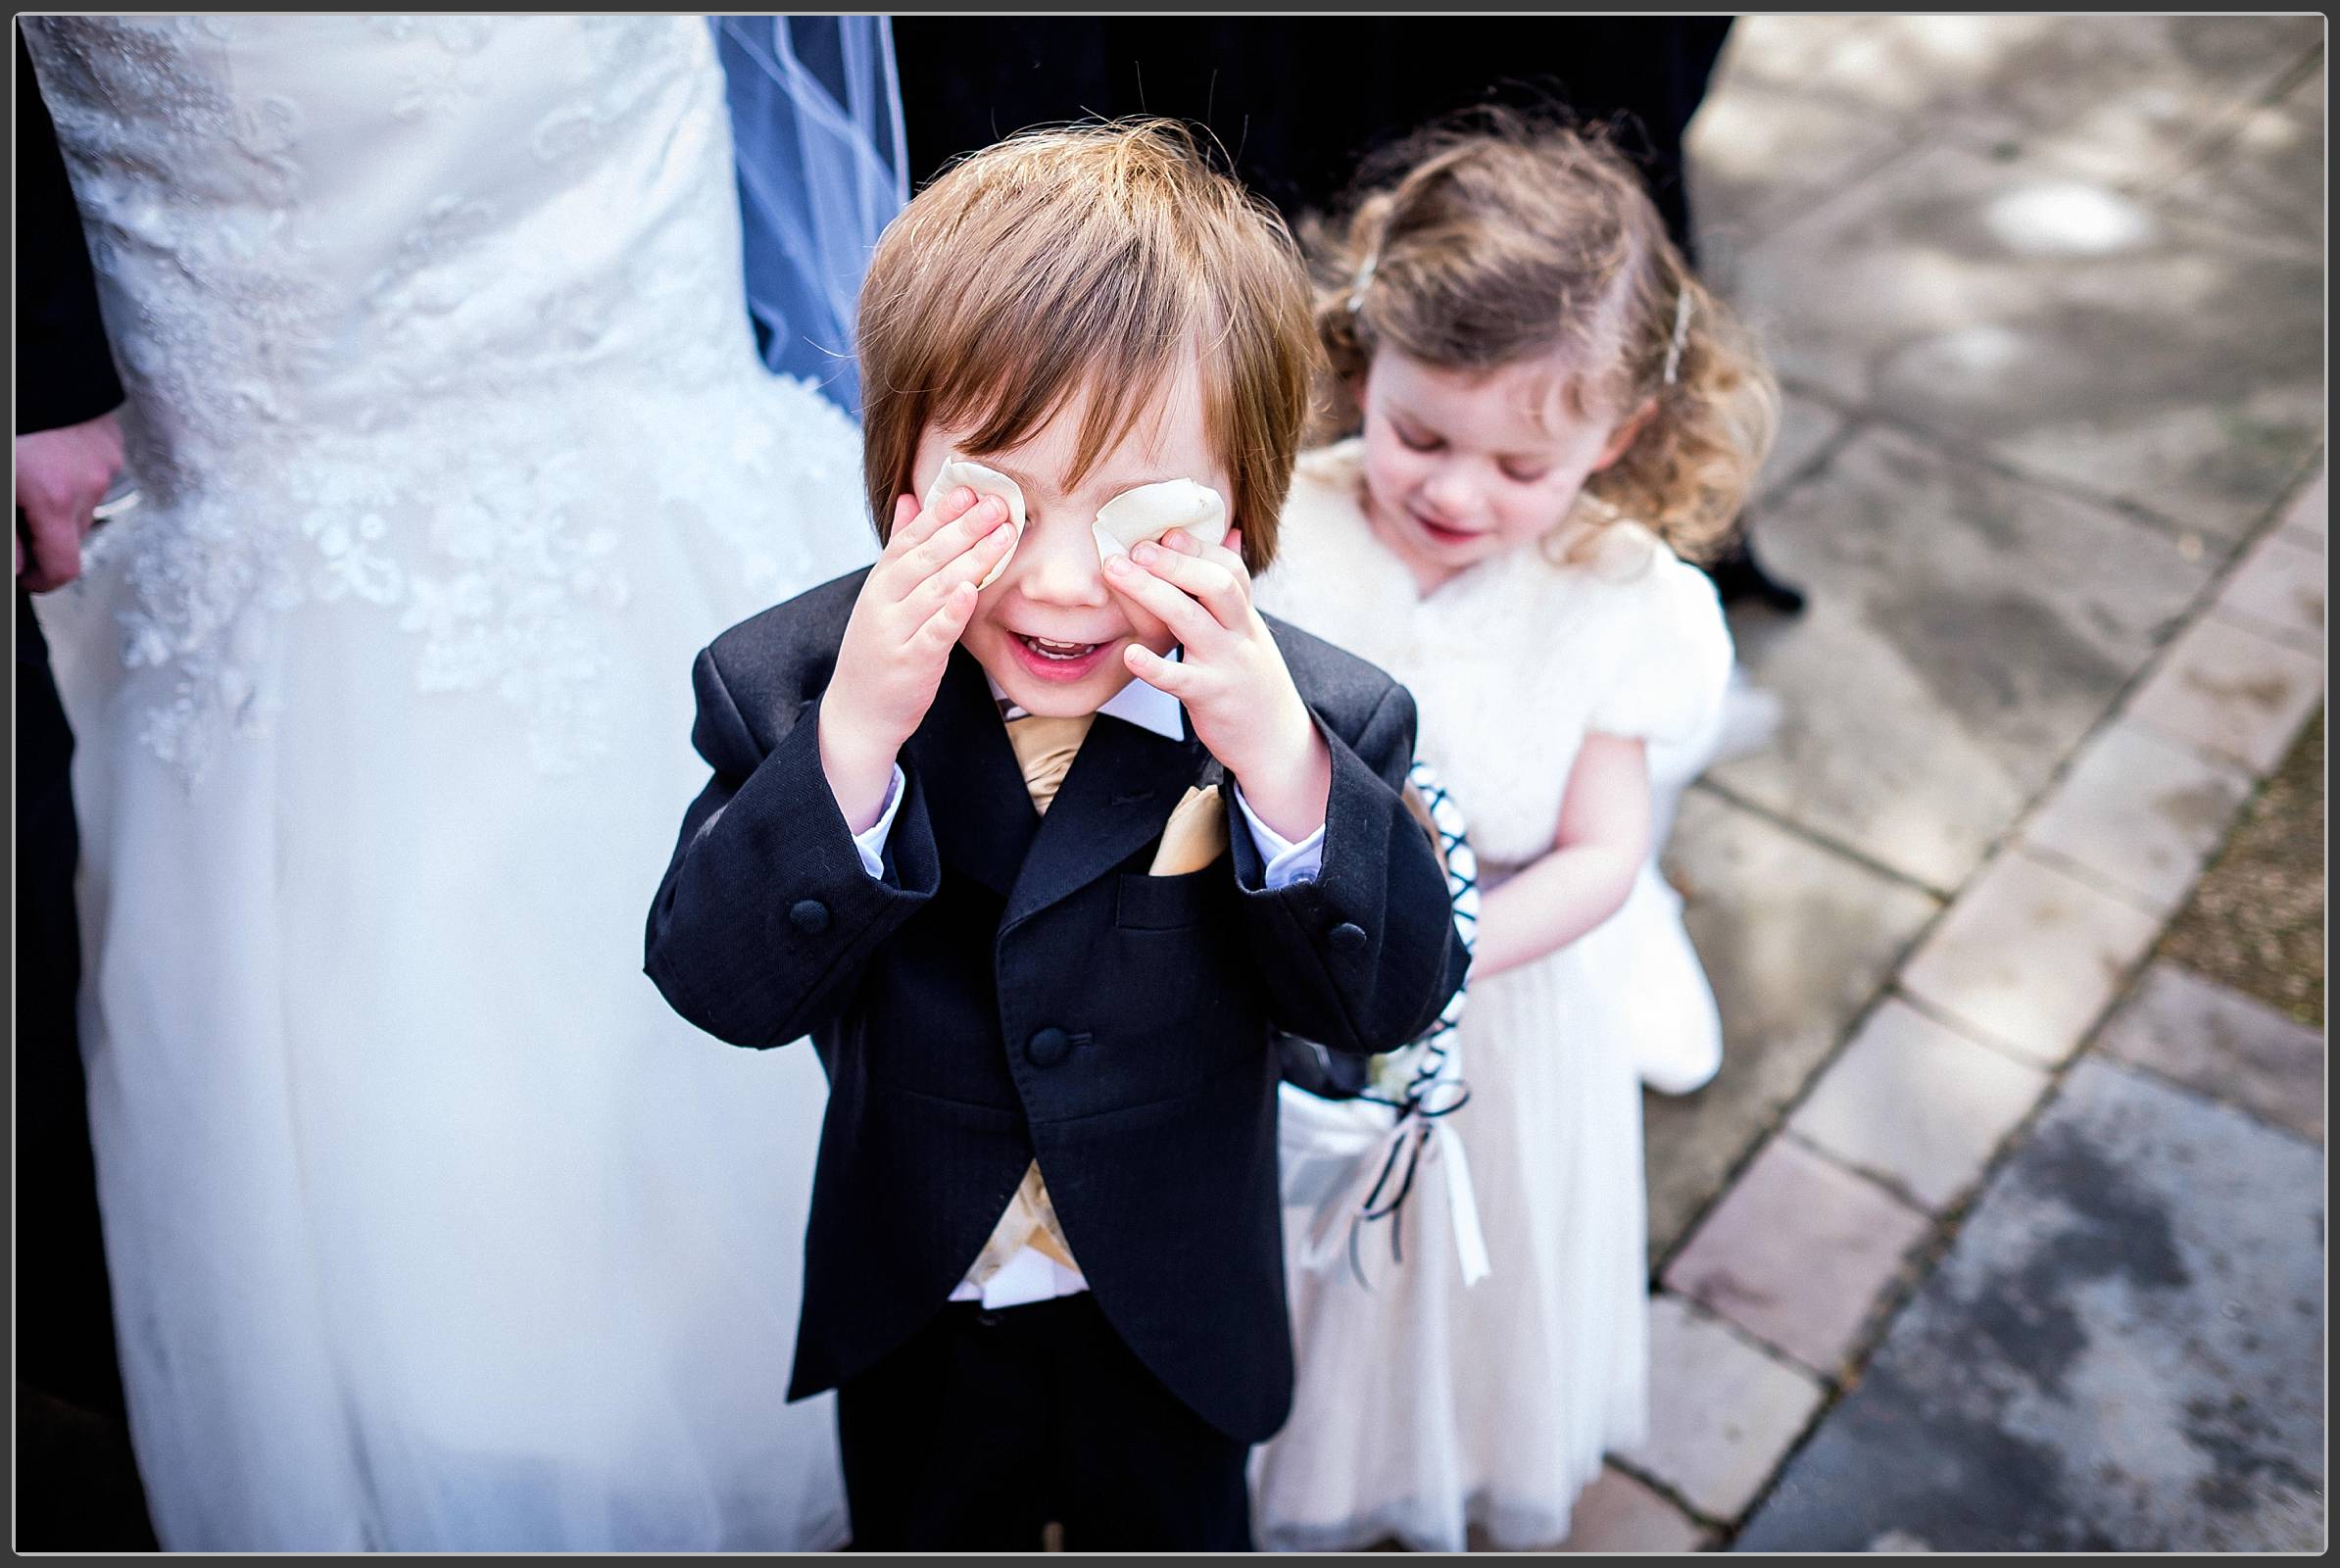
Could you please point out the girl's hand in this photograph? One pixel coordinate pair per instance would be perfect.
(913, 606)
(1231, 677)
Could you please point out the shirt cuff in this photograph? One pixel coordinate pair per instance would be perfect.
(1287, 862)
(872, 843)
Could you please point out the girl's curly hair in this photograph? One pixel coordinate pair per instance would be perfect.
(1493, 237)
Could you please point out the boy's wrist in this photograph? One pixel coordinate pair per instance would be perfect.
(860, 768)
(1292, 790)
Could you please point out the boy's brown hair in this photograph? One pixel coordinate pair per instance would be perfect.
(1095, 255)
(1492, 237)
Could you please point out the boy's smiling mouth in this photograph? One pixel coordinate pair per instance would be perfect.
(1051, 660)
(1059, 650)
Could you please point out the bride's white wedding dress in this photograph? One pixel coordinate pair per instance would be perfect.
(429, 1225)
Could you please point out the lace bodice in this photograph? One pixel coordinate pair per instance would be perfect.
(1513, 661)
(422, 314)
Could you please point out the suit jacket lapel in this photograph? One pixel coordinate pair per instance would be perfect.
(983, 818)
(1120, 793)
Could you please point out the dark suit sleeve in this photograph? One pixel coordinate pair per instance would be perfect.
(1362, 959)
(65, 370)
(766, 920)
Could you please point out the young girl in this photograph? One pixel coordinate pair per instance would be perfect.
(1554, 411)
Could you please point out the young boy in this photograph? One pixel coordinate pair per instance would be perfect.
(1043, 1263)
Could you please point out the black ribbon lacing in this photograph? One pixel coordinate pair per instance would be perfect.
(1426, 1097)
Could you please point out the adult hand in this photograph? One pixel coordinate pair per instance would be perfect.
(62, 475)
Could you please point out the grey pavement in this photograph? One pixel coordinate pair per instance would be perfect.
(2123, 1351)
(1992, 1233)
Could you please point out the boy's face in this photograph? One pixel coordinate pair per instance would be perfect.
(1051, 631)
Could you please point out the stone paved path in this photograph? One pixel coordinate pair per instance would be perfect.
(1991, 1234)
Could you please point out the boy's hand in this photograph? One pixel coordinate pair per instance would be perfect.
(913, 606)
(1232, 678)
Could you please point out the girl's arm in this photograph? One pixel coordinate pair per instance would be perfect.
(1603, 838)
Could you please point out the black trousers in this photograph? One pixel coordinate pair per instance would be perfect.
(64, 1321)
(77, 1485)
(984, 1427)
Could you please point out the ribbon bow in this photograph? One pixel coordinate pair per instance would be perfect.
(1418, 1135)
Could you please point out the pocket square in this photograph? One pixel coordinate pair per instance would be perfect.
(1194, 836)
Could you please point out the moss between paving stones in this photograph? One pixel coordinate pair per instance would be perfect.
(2256, 919)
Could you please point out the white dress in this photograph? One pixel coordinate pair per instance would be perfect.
(1425, 1406)
(429, 1225)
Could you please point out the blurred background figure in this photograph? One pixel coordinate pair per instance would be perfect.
(430, 1226)
(76, 1483)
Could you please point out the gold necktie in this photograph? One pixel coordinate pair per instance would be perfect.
(1044, 749)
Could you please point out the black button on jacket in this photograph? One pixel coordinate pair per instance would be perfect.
(1017, 987)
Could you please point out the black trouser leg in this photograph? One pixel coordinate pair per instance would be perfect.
(65, 1322)
(987, 1426)
(945, 1442)
(1142, 1471)
(77, 1485)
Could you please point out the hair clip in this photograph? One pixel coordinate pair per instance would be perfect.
(1364, 277)
(1681, 332)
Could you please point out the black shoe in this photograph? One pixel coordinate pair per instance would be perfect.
(1737, 574)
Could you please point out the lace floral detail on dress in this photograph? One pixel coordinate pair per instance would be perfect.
(444, 386)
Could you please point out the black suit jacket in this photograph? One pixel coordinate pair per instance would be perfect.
(1017, 987)
(65, 369)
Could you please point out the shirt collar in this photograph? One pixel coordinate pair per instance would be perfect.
(1146, 707)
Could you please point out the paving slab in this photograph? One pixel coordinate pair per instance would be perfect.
(2280, 589)
(2232, 692)
(2217, 1041)
(1758, 156)
(1918, 1105)
(1796, 941)
(2060, 324)
(2028, 957)
(1798, 1252)
(1722, 1412)
(2119, 97)
(2123, 1350)
(2140, 810)
(1966, 632)
(1783, 52)
(1805, 427)
(2137, 98)
(2268, 179)
(2310, 517)
(1620, 1514)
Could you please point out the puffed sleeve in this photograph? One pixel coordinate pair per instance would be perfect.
(1670, 656)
